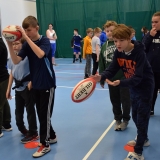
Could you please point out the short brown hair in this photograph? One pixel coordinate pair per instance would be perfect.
(156, 14)
(89, 30)
(97, 30)
(132, 29)
(110, 23)
(30, 21)
(22, 40)
(121, 32)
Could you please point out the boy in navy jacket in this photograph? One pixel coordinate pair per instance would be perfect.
(131, 59)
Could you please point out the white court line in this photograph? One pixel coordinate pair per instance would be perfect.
(68, 73)
(73, 87)
(69, 64)
(98, 141)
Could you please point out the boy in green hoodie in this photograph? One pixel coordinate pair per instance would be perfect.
(118, 95)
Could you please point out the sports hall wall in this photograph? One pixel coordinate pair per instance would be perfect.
(69, 14)
(14, 11)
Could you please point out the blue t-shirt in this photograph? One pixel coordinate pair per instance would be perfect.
(103, 37)
(19, 71)
(41, 69)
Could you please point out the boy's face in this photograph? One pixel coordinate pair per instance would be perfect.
(32, 32)
(98, 34)
(50, 27)
(75, 32)
(90, 34)
(109, 32)
(121, 44)
(156, 22)
(17, 45)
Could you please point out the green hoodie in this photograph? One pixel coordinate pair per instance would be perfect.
(106, 57)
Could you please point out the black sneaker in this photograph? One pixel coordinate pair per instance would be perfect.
(7, 128)
(24, 132)
(30, 138)
(152, 113)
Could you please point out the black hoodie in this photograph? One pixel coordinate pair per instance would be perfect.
(152, 48)
(3, 61)
(135, 67)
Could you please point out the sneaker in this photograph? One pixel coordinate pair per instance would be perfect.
(1, 134)
(152, 113)
(117, 126)
(134, 156)
(8, 129)
(133, 143)
(41, 151)
(51, 141)
(124, 125)
(24, 132)
(30, 138)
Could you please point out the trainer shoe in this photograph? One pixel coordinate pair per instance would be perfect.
(41, 151)
(117, 126)
(134, 156)
(30, 138)
(124, 125)
(133, 143)
(24, 132)
(7, 128)
(1, 134)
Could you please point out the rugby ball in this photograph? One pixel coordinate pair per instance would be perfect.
(83, 90)
(11, 34)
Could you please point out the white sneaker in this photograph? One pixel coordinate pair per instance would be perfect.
(133, 143)
(1, 134)
(41, 151)
(117, 126)
(52, 141)
(124, 125)
(6, 129)
(134, 156)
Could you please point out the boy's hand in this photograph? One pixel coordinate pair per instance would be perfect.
(9, 43)
(22, 31)
(97, 59)
(96, 77)
(8, 94)
(114, 83)
(153, 32)
(29, 85)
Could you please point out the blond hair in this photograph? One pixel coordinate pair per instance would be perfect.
(89, 30)
(122, 32)
(110, 23)
(156, 14)
(30, 21)
(97, 30)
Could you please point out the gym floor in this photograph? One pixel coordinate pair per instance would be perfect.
(85, 131)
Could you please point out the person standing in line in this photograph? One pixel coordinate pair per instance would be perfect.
(87, 52)
(5, 114)
(51, 34)
(152, 48)
(96, 47)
